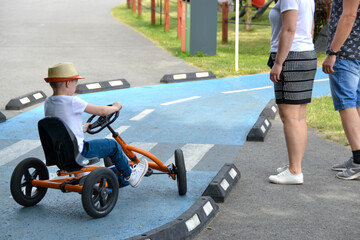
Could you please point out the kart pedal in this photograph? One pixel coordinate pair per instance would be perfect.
(149, 172)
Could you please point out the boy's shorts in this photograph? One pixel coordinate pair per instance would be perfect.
(345, 84)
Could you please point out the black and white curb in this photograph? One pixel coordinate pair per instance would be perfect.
(102, 86)
(271, 109)
(189, 223)
(259, 130)
(2, 117)
(223, 182)
(26, 100)
(183, 77)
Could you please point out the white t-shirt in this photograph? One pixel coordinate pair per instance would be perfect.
(69, 109)
(303, 38)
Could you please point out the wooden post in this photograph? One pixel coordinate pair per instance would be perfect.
(179, 18)
(134, 6)
(152, 11)
(128, 4)
(248, 14)
(166, 15)
(161, 13)
(328, 8)
(225, 16)
(183, 26)
(139, 8)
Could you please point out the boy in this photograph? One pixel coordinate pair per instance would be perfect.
(63, 79)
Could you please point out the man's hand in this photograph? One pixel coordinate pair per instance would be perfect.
(328, 64)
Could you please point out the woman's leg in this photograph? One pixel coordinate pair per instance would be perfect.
(295, 130)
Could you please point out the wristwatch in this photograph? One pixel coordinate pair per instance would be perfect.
(330, 52)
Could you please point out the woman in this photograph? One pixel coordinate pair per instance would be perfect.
(293, 65)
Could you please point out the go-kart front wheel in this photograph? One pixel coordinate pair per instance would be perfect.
(22, 190)
(180, 170)
(100, 192)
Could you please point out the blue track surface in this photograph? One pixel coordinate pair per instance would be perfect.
(214, 117)
(216, 112)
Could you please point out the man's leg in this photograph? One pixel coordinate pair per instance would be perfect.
(351, 123)
(345, 91)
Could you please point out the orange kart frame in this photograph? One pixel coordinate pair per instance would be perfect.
(129, 152)
(99, 189)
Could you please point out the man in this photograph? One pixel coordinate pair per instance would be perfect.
(343, 66)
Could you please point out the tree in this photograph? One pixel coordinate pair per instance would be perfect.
(322, 12)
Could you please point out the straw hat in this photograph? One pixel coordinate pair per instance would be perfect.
(62, 72)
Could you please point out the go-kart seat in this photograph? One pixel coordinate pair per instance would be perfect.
(60, 145)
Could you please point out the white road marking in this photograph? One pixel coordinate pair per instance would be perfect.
(147, 146)
(247, 90)
(142, 114)
(322, 80)
(193, 153)
(181, 100)
(17, 149)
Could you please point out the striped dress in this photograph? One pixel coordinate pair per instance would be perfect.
(297, 78)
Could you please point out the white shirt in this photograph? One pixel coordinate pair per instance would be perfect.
(303, 40)
(69, 109)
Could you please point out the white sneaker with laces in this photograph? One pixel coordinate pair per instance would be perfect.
(286, 177)
(138, 172)
(281, 169)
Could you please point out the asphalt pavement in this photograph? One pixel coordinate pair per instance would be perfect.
(37, 34)
(324, 207)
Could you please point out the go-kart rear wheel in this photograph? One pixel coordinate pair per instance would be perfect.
(100, 192)
(180, 172)
(23, 192)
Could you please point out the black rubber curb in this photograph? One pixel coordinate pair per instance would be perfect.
(220, 187)
(189, 223)
(102, 86)
(26, 100)
(260, 129)
(2, 117)
(270, 110)
(184, 77)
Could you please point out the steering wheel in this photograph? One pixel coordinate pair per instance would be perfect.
(101, 122)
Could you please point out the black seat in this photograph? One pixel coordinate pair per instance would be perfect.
(60, 145)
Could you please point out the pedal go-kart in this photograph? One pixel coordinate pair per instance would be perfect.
(99, 189)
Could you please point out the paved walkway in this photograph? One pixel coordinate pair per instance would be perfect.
(37, 34)
(324, 207)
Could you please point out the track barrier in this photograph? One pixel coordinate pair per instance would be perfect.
(183, 77)
(220, 187)
(2, 117)
(102, 86)
(259, 130)
(26, 100)
(188, 224)
(271, 109)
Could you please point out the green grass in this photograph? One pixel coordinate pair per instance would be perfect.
(253, 45)
(322, 116)
(254, 48)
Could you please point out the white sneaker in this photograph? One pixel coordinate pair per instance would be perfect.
(138, 172)
(281, 169)
(286, 177)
